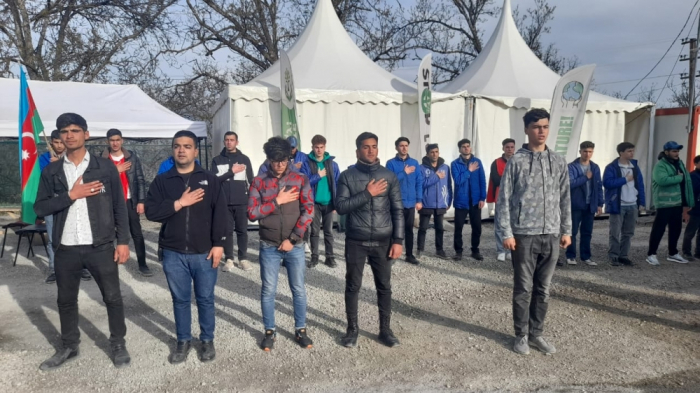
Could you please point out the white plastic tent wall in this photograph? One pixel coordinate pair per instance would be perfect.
(125, 107)
(340, 93)
(507, 79)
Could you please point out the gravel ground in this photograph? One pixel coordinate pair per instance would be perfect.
(617, 329)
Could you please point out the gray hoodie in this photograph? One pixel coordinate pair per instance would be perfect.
(534, 198)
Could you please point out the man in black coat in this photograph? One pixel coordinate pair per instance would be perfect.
(84, 194)
(234, 170)
(370, 195)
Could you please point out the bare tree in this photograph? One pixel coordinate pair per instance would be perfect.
(680, 96)
(83, 40)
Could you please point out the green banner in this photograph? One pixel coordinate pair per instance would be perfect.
(288, 98)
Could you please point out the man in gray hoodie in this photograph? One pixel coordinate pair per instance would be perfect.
(534, 216)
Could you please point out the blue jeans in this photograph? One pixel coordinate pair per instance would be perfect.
(181, 270)
(499, 236)
(49, 231)
(270, 262)
(584, 219)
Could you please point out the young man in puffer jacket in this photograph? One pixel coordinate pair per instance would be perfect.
(437, 197)
(470, 197)
(534, 216)
(282, 200)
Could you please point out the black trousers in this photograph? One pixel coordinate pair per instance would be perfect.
(409, 218)
(237, 220)
(69, 263)
(356, 253)
(690, 231)
(323, 215)
(673, 217)
(474, 214)
(423, 225)
(136, 232)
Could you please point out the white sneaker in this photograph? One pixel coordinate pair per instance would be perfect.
(508, 256)
(676, 258)
(228, 266)
(243, 264)
(590, 263)
(307, 249)
(570, 261)
(502, 256)
(651, 259)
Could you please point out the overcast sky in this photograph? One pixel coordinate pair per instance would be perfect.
(625, 38)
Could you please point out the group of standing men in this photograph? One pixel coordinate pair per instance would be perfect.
(92, 202)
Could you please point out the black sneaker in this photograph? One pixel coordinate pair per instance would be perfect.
(145, 271)
(120, 356)
(457, 257)
(312, 262)
(85, 275)
(560, 263)
(626, 262)
(179, 355)
(412, 260)
(61, 356)
(615, 262)
(51, 279)
(303, 340)
(330, 262)
(477, 256)
(268, 342)
(441, 254)
(208, 352)
(689, 257)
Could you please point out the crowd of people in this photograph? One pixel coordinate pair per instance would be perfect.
(92, 206)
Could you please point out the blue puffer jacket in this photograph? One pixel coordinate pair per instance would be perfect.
(577, 182)
(437, 193)
(695, 178)
(411, 185)
(468, 183)
(613, 182)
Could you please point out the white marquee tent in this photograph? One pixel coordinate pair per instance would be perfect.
(340, 93)
(125, 107)
(507, 79)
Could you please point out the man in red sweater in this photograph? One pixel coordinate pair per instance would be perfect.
(497, 168)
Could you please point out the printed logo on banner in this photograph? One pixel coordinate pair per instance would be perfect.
(288, 85)
(572, 94)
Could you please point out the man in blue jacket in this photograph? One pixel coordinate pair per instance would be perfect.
(470, 197)
(323, 174)
(437, 197)
(694, 217)
(624, 198)
(411, 181)
(586, 202)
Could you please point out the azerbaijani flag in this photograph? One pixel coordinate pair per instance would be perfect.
(30, 127)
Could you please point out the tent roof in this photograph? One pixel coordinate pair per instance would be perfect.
(507, 67)
(325, 57)
(125, 107)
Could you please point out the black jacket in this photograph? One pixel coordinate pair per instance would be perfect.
(106, 210)
(194, 229)
(236, 190)
(137, 183)
(370, 219)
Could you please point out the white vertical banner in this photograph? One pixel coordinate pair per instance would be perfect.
(288, 98)
(568, 110)
(425, 98)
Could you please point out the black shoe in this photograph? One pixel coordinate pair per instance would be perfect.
(349, 340)
(180, 353)
(51, 279)
(330, 262)
(303, 340)
(61, 356)
(626, 262)
(689, 257)
(560, 263)
(312, 262)
(616, 262)
(477, 256)
(85, 275)
(441, 254)
(386, 336)
(120, 356)
(145, 271)
(457, 257)
(208, 352)
(419, 253)
(268, 341)
(412, 260)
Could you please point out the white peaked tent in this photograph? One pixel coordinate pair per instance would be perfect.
(125, 107)
(340, 93)
(507, 79)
